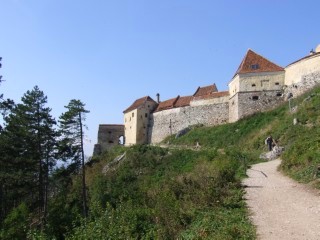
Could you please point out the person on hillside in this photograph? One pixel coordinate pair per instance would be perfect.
(269, 141)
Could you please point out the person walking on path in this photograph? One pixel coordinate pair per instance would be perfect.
(269, 141)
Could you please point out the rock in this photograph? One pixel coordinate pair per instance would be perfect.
(274, 154)
(183, 132)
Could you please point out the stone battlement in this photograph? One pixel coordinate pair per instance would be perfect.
(258, 85)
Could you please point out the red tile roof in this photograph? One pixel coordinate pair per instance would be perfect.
(167, 104)
(205, 90)
(183, 101)
(212, 95)
(254, 62)
(137, 103)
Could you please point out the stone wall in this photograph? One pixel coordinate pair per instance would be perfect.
(171, 121)
(308, 81)
(233, 108)
(252, 102)
(108, 136)
(297, 70)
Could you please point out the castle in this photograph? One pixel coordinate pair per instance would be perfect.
(257, 85)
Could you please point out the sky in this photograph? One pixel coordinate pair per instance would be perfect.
(108, 53)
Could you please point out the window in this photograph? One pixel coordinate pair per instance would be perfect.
(132, 114)
(255, 98)
(279, 94)
(253, 85)
(146, 115)
(110, 141)
(254, 66)
(276, 83)
(109, 132)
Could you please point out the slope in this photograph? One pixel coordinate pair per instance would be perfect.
(172, 193)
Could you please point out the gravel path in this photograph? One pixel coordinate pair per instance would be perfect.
(281, 208)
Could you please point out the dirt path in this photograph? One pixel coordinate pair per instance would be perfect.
(281, 208)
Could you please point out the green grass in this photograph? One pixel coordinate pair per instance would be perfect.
(158, 193)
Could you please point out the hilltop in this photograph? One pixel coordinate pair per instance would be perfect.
(178, 192)
(184, 191)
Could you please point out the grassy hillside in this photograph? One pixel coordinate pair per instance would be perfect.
(181, 192)
(301, 159)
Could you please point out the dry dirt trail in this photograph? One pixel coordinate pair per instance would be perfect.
(281, 208)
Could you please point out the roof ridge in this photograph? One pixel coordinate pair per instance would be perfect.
(254, 62)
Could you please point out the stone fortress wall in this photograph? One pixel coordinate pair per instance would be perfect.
(109, 135)
(167, 122)
(253, 93)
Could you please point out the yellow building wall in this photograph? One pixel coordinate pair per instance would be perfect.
(261, 81)
(136, 124)
(130, 127)
(295, 71)
(234, 86)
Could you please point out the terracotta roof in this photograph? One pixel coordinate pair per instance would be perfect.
(183, 101)
(137, 103)
(309, 56)
(205, 90)
(212, 95)
(167, 104)
(254, 62)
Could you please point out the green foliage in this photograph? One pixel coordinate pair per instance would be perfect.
(15, 224)
(180, 193)
(158, 193)
(27, 151)
(302, 157)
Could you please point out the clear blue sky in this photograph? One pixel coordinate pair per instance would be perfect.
(109, 53)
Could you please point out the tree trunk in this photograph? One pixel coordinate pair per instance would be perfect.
(84, 192)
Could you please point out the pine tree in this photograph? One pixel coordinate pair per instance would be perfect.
(28, 143)
(71, 127)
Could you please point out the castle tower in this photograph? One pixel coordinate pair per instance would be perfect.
(256, 86)
(136, 120)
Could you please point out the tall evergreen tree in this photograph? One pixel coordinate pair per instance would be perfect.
(71, 127)
(28, 141)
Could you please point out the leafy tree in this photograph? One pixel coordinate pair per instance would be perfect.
(71, 127)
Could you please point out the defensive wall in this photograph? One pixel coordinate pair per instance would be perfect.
(248, 93)
(109, 135)
(206, 112)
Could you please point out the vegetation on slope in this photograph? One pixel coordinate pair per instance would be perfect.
(301, 159)
(159, 193)
(177, 192)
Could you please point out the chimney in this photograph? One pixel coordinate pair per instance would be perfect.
(311, 52)
(158, 98)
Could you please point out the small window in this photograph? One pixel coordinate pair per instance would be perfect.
(130, 119)
(253, 85)
(255, 66)
(132, 114)
(279, 94)
(148, 106)
(277, 83)
(141, 116)
(109, 132)
(110, 141)
(146, 115)
(255, 98)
